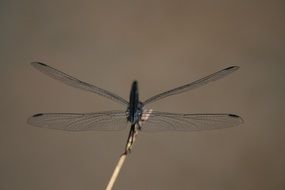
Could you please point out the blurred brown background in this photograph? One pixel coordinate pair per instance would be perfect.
(162, 44)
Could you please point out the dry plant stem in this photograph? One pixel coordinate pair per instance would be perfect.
(122, 159)
(116, 171)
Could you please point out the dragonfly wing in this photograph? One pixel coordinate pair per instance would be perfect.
(162, 121)
(193, 85)
(100, 121)
(71, 81)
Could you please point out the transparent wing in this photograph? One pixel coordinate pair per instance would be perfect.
(100, 121)
(193, 85)
(71, 81)
(161, 121)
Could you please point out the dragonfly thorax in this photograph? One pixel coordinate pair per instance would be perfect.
(134, 115)
(135, 108)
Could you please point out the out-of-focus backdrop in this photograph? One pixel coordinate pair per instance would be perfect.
(162, 44)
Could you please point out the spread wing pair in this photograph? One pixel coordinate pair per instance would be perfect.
(117, 120)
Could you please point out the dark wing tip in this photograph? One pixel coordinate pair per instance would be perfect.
(37, 115)
(233, 115)
(38, 63)
(232, 68)
(237, 117)
(32, 120)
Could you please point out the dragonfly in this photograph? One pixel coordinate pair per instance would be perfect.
(135, 115)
